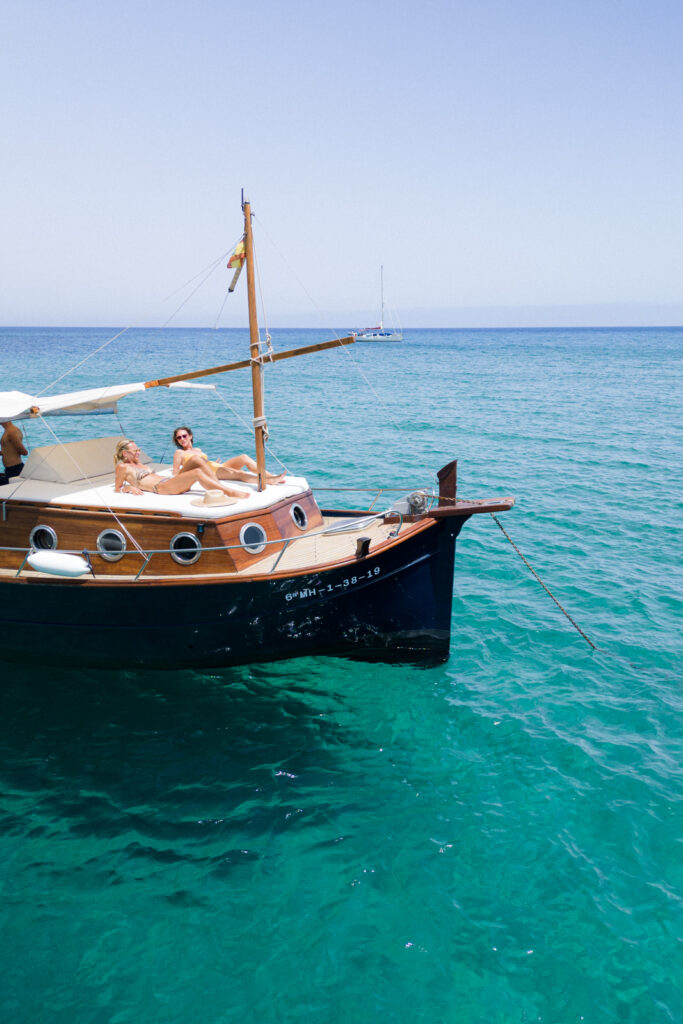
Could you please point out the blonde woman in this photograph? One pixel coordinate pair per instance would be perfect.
(133, 477)
(239, 467)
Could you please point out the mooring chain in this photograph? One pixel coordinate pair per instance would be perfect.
(531, 569)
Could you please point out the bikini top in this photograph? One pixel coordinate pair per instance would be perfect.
(141, 471)
(202, 455)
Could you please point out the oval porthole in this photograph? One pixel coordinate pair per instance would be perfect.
(253, 538)
(299, 516)
(185, 548)
(111, 544)
(43, 538)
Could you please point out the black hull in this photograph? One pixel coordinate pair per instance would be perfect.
(392, 606)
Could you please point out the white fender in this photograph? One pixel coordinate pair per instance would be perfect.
(58, 563)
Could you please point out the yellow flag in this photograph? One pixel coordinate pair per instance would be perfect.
(236, 262)
(238, 257)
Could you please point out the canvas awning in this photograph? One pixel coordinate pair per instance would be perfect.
(16, 405)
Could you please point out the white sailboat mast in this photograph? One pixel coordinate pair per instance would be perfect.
(381, 289)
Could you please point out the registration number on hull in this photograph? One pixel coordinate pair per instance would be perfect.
(329, 588)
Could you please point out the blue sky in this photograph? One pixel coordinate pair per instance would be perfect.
(513, 162)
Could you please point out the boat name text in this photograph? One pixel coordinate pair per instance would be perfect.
(330, 588)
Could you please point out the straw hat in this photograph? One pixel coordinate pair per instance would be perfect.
(213, 498)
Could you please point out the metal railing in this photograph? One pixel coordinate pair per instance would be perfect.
(363, 521)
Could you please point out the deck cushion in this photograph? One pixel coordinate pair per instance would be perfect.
(79, 460)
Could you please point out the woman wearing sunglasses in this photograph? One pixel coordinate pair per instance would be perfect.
(239, 467)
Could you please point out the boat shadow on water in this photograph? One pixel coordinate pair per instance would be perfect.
(158, 761)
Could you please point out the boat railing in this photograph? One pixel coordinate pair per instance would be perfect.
(428, 491)
(361, 522)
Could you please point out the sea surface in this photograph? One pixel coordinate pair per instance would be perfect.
(493, 840)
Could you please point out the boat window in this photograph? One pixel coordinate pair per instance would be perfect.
(253, 538)
(111, 544)
(43, 538)
(299, 516)
(185, 548)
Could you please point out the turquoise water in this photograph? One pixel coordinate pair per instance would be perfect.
(494, 840)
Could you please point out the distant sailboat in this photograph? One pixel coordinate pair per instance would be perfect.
(379, 333)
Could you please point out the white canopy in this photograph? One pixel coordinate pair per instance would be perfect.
(16, 405)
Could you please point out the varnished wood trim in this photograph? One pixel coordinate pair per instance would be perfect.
(467, 508)
(217, 578)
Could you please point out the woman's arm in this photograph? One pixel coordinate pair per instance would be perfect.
(122, 484)
(177, 461)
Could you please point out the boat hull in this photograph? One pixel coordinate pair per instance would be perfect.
(383, 336)
(394, 605)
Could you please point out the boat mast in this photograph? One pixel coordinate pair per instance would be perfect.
(381, 289)
(260, 427)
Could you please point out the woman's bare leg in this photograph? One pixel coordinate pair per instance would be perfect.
(229, 470)
(209, 481)
(194, 462)
(240, 462)
(182, 483)
(232, 470)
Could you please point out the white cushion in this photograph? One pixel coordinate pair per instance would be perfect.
(77, 460)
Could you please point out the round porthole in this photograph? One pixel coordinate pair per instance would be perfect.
(299, 516)
(185, 548)
(111, 544)
(253, 538)
(43, 538)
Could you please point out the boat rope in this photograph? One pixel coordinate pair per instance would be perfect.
(532, 570)
(204, 274)
(261, 423)
(292, 271)
(220, 311)
(269, 347)
(371, 490)
(203, 281)
(388, 411)
(249, 427)
(84, 360)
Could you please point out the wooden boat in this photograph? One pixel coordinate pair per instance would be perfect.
(379, 332)
(94, 576)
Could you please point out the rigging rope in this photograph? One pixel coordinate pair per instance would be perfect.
(249, 427)
(97, 489)
(207, 271)
(532, 570)
(220, 311)
(269, 347)
(389, 412)
(203, 281)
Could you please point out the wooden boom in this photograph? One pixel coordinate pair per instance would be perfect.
(257, 360)
(243, 363)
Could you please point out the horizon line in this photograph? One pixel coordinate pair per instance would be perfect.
(284, 327)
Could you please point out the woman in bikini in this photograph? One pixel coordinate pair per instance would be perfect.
(133, 477)
(239, 467)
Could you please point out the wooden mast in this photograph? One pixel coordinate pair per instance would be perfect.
(256, 361)
(260, 428)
